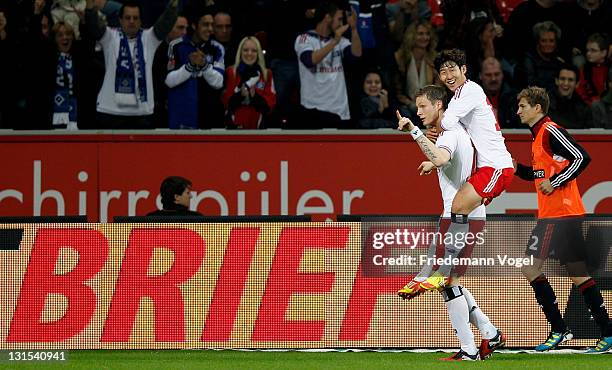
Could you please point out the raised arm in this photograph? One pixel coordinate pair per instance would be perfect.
(92, 21)
(356, 49)
(35, 35)
(166, 21)
(318, 55)
(438, 156)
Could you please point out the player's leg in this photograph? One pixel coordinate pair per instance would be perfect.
(465, 201)
(454, 233)
(414, 287)
(459, 315)
(478, 318)
(492, 338)
(546, 298)
(543, 236)
(420, 283)
(484, 185)
(595, 303)
(574, 258)
(427, 269)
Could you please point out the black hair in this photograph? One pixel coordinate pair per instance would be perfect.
(373, 69)
(171, 186)
(449, 57)
(569, 67)
(324, 9)
(196, 12)
(130, 4)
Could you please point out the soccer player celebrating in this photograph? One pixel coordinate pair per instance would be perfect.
(453, 156)
(469, 109)
(557, 160)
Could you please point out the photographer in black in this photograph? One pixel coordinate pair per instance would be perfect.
(175, 192)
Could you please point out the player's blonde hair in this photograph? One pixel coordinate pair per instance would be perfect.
(434, 93)
(535, 95)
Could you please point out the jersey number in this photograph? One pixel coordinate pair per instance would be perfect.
(533, 246)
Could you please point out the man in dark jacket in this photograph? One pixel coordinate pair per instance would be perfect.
(499, 93)
(175, 194)
(566, 107)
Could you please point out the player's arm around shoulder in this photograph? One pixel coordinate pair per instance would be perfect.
(464, 100)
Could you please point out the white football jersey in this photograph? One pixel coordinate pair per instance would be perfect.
(470, 109)
(323, 86)
(456, 172)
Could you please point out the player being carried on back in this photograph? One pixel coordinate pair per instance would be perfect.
(470, 110)
(453, 156)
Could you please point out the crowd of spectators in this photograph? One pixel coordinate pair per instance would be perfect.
(197, 64)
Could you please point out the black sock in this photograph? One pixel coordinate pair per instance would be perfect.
(594, 302)
(545, 295)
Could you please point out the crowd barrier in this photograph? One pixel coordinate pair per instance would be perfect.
(319, 173)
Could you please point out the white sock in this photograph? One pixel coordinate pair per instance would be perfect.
(478, 318)
(458, 313)
(458, 230)
(427, 268)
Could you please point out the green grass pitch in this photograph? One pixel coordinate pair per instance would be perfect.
(207, 359)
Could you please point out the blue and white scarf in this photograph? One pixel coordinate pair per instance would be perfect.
(64, 102)
(127, 72)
